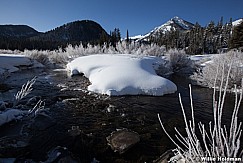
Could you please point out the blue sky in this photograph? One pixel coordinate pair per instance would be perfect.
(139, 17)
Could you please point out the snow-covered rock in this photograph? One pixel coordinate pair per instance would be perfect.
(116, 75)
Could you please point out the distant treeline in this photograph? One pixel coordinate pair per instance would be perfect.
(38, 43)
(86, 31)
(213, 38)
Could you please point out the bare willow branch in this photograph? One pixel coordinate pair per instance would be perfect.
(218, 142)
(25, 90)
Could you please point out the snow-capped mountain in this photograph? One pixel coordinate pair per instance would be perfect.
(175, 23)
(237, 22)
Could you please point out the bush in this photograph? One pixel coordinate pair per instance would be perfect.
(121, 48)
(46, 57)
(177, 61)
(215, 141)
(16, 112)
(40, 56)
(221, 63)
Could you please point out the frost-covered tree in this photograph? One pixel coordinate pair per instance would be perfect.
(222, 62)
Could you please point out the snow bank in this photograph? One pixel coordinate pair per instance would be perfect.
(116, 75)
(204, 59)
(11, 62)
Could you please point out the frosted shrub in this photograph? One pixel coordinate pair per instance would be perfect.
(58, 57)
(121, 48)
(4, 51)
(213, 141)
(40, 56)
(206, 76)
(92, 49)
(79, 50)
(47, 57)
(25, 90)
(155, 50)
(140, 49)
(179, 60)
(176, 61)
(73, 51)
(16, 112)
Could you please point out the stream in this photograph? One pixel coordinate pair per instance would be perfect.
(80, 121)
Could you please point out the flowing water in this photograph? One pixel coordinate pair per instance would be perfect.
(70, 106)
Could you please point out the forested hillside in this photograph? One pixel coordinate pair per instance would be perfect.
(174, 34)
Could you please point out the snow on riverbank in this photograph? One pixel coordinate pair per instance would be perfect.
(12, 62)
(204, 59)
(116, 75)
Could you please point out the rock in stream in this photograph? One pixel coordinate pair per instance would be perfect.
(122, 140)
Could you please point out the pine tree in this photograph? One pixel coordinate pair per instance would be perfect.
(103, 38)
(210, 41)
(118, 34)
(237, 37)
(128, 40)
(115, 37)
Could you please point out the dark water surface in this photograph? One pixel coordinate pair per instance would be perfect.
(98, 116)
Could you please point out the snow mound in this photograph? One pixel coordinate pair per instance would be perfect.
(116, 75)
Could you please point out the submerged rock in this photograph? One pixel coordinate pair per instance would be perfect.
(74, 131)
(122, 140)
(42, 122)
(13, 146)
(60, 154)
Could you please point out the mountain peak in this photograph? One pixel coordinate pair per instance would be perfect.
(175, 23)
(175, 18)
(237, 22)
